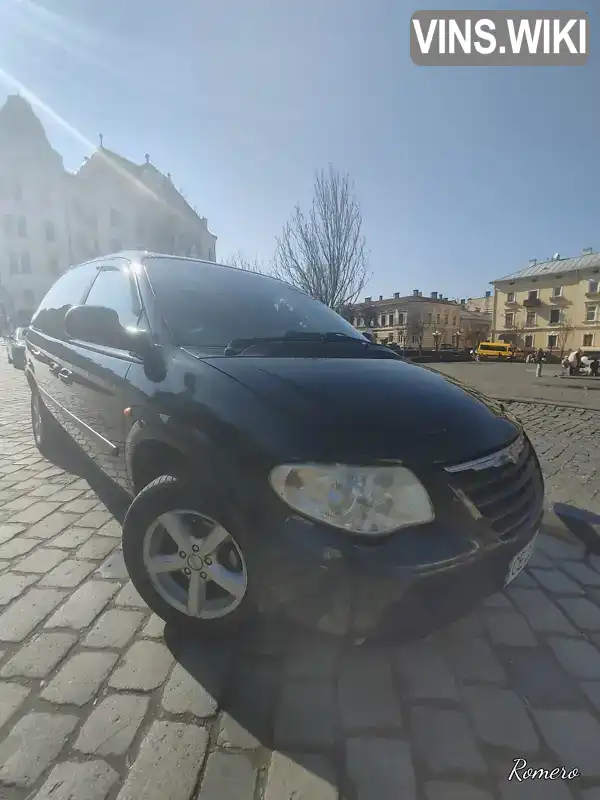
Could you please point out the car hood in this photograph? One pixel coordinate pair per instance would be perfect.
(387, 408)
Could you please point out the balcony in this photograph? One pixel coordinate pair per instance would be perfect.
(532, 302)
(558, 299)
(594, 295)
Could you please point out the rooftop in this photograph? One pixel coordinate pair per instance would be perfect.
(555, 266)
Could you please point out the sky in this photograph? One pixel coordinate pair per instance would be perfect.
(462, 174)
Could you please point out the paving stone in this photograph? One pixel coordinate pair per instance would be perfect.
(154, 628)
(543, 615)
(300, 777)
(575, 738)
(114, 567)
(500, 718)
(381, 768)
(535, 789)
(168, 763)
(443, 740)
(524, 580)
(32, 745)
(112, 725)
(560, 549)
(94, 519)
(22, 616)
(537, 676)
(18, 503)
(80, 678)
(71, 538)
(68, 574)
(111, 528)
(509, 628)
(183, 693)
(249, 704)
(11, 697)
(51, 525)
(228, 776)
(366, 692)
(128, 596)
(11, 586)
(578, 657)
(81, 505)
(444, 790)
(499, 600)
(43, 560)
(83, 606)
(97, 547)
(74, 781)
(17, 547)
(582, 573)
(585, 615)
(424, 672)
(145, 667)
(34, 513)
(475, 661)
(8, 532)
(296, 724)
(591, 794)
(556, 581)
(592, 690)
(38, 658)
(311, 657)
(114, 628)
(232, 734)
(540, 560)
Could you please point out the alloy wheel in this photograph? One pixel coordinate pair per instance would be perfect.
(195, 564)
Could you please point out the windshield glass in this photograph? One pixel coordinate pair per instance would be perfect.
(208, 305)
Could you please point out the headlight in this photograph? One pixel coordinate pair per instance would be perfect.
(366, 500)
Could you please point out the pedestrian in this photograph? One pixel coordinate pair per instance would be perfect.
(594, 365)
(539, 360)
(574, 359)
(565, 365)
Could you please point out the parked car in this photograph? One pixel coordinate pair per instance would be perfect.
(15, 348)
(279, 464)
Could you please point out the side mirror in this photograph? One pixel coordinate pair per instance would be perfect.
(97, 325)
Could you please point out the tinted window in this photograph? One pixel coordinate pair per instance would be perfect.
(114, 289)
(69, 290)
(210, 305)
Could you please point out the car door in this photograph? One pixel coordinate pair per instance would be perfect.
(47, 343)
(98, 373)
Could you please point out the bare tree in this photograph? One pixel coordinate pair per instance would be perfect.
(240, 261)
(416, 329)
(563, 334)
(475, 331)
(323, 251)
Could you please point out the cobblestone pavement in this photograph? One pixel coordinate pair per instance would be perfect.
(97, 701)
(518, 380)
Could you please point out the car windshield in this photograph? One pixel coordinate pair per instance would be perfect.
(208, 305)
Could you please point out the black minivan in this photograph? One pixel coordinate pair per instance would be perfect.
(278, 462)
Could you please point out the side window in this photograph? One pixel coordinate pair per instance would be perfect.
(69, 290)
(114, 289)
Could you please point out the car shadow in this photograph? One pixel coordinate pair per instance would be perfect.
(584, 525)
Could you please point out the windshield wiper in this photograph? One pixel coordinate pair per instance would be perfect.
(238, 346)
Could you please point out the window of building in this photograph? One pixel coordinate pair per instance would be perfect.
(529, 340)
(69, 290)
(22, 226)
(211, 253)
(113, 289)
(401, 318)
(391, 337)
(115, 218)
(437, 318)
(454, 321)
(509, 319)
(557, 291)
(533, 294)
(13, 261)
(115, 245)
(552, 340)
(50, 231)
(28, 297)
(445, 319)
(530, 319)
(8, 224)
(53, 265)
(588, 340)
(593, 287)
(554, 316)
(510, 298)
(391, 320)
(430, 317)
(25, 263)
(591, 313)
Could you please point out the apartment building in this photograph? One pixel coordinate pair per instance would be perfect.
(553, 304)
(51, 218)
(428, 322)
(481, 305)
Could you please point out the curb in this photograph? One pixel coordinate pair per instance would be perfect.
(539, 402)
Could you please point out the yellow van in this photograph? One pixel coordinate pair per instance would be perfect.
(499, 351)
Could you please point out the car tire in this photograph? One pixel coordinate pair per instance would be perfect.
(169, 593)
(47, 433)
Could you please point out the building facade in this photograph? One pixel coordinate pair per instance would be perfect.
(415, 321)
(553, 305)
(51, 218)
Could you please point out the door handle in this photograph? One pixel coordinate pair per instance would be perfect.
(65, 375)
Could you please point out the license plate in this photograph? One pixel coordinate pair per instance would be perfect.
(520, 561)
